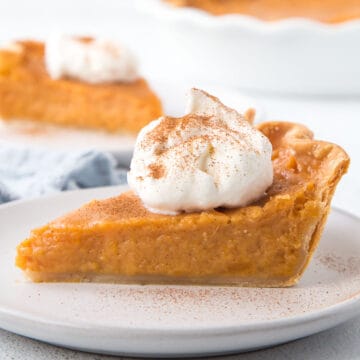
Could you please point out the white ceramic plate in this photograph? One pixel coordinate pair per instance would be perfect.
(27, 133)
(174, 320)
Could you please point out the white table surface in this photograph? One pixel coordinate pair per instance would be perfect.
(332, 119)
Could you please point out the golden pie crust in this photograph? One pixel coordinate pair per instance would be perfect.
(27, 92)
(268, 243)
(327, 11)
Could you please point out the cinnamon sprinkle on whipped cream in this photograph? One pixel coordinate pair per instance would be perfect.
(212, 157)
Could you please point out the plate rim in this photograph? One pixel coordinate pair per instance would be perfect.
(342, 307)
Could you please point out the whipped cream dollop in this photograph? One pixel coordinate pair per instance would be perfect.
(212, 157)
(89, 60)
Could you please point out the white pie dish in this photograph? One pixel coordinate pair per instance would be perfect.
(297, 56)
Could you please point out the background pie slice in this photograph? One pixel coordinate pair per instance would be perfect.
(28, 92)
(268, 243)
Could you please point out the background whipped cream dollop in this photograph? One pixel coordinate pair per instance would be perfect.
(93, 61)
(210, 158)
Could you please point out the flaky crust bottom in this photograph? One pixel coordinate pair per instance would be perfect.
(158, 280)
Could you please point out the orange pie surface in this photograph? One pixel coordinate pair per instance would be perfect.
(268, 243)
(27, 92)
(328, 11)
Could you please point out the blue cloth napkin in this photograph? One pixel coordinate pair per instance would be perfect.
(26, 173)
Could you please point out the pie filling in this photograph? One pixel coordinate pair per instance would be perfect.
(327, 11)
(268, 243)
